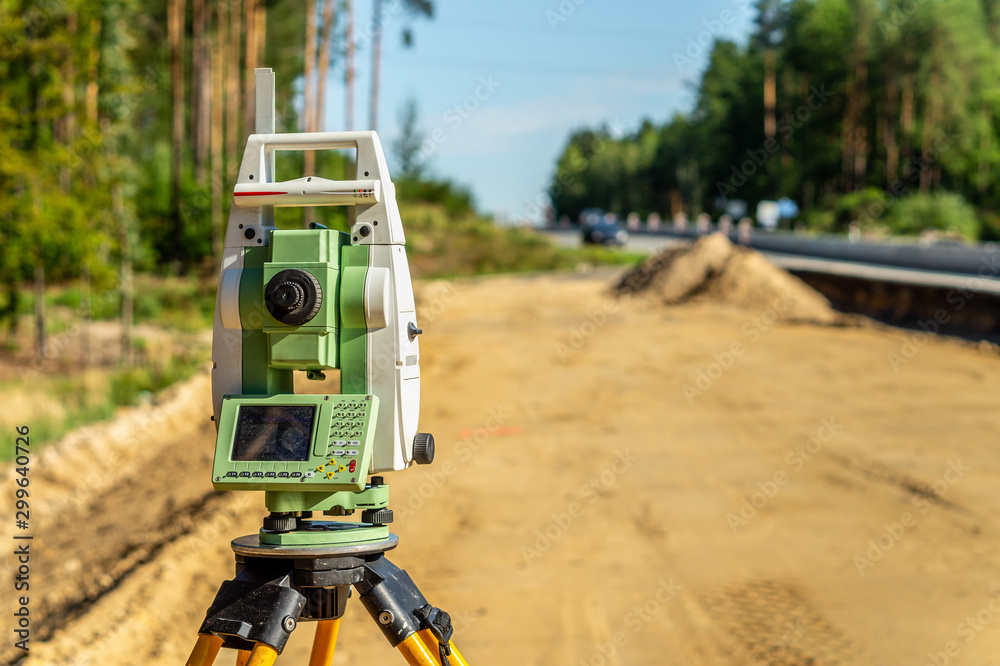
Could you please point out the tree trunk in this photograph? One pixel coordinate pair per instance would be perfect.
(376, 64)
(175, 30)
(309, 91)
(309, 94)
(260, 37)
(93, 60)
(200, 91)
(250, 63)
(68, 123)
(39, 310)
(931, 116)
(128, 302)
(85, 316)
(218, 49)
(847, 139)
(770, 96)
(234, 102)
(13, 303)
(326, 46)
(859, 170)
(349, 71)
(984, 147)
(906, 110)
(889, 131)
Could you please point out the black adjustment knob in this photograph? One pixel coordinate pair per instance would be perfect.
(423, 448)
(377, 516)
(277, 522)
(293, 296)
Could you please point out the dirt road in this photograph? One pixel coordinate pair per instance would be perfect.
(617, 483)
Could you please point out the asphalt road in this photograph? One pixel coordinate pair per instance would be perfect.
(636, 243)
(650, 244)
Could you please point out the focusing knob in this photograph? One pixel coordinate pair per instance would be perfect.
(279, 523)
(377, 516)
(423, 448)
(293, 296)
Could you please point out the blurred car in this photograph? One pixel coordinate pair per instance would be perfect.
(604, 232)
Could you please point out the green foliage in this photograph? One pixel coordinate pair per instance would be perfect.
(891, 97)
(941, 211)
(867, 206)
(129, 386)
(455, 200)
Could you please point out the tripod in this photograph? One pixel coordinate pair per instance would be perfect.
(276, 587)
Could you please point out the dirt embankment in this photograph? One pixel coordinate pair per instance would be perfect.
(828, 497)
(712, 269)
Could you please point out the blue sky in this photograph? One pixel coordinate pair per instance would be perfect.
(500, 85)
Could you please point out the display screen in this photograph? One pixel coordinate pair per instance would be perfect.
(273, 432)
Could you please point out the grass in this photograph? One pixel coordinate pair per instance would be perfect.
(442, 245)
(54, 404)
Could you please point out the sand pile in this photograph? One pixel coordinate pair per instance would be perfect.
(713, 269)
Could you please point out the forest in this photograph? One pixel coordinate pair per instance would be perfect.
(882, 113)
(122, 125)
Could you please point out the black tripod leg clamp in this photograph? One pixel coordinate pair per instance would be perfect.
(246, 612)
(439, 622)
(395, 603)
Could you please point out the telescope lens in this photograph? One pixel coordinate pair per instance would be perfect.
(293, 296)
(289, 296)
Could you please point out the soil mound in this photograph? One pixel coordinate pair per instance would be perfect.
(713, 269)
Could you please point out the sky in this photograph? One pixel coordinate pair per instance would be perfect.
(499, 86)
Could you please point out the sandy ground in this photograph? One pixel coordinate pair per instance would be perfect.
(617, 482)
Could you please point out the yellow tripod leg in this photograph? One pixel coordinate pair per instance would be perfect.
(242, 657)
(421, 649)
(324, 643)
(431, 642)
(205, 650)
(416, 652)
(262, 655)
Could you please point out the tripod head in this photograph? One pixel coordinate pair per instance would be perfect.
(312, 300)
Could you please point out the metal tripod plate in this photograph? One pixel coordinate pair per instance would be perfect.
(251, 546)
